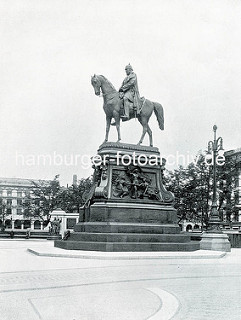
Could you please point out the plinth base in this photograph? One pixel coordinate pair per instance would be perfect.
(120, 237)
(128, 207)
(215, 241)
(132, 212)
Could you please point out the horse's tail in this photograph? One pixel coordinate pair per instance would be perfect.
(158, 109)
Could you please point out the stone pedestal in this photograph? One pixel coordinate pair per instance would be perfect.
(215, 241)
(54, 237)
(128, 208)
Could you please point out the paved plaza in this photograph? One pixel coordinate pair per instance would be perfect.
(94, 286)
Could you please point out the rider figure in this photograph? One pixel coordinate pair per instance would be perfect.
(129, 93)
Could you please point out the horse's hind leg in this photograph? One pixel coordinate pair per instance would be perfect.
(150, 135)
(144, 126)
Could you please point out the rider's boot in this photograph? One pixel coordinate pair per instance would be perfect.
(124, 112)
(127, 110)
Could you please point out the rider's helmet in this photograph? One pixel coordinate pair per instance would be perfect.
(129, 67)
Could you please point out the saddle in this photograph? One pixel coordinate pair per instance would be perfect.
(132, 107)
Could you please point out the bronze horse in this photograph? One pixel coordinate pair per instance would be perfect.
(112, 106)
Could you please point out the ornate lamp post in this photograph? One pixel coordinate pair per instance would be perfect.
(214, 238)
(215, 146)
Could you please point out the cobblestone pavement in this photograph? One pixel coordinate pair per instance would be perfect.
(47, 288)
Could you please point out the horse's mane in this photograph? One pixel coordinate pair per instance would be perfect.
(108, 82)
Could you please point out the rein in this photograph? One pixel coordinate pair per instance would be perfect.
(105, 94)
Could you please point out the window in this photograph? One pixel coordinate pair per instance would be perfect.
(19, 202)
(9, 211)
(9, 193)
(8, 224)
(37, 224)
(26, 224)
(19, 211)
(9, 202)
(26, 211)
(17, 224)
(19, 194)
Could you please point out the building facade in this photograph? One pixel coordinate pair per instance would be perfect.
(233, 181)
(13, 191)
(12, 194)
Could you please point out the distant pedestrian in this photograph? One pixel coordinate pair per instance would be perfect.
(28, 232)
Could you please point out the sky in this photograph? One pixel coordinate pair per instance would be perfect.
(186, 55)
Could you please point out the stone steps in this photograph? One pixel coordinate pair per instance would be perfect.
(121, 237)
(117, 227)
(129, 237)
(126, 246)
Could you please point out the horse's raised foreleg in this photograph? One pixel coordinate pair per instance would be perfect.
(108, 120)
(150, 135)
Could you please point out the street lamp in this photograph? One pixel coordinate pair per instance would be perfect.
(215, 146)
(214, 238)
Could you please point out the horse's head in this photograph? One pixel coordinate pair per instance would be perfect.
(96, 83)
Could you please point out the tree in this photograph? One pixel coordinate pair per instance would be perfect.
(44, 197)
(228, 176)
(3, 212)
(75, 196)
(191, 187)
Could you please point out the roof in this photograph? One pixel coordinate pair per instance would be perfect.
(18, 182)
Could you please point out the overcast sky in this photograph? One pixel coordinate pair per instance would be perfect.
(186, 55)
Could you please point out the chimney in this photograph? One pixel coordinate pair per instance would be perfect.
(75, 180)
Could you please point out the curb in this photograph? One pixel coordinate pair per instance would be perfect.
(128, 256)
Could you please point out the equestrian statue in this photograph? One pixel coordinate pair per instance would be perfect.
(126, 104)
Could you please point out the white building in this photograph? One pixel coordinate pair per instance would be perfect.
(12, 194)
